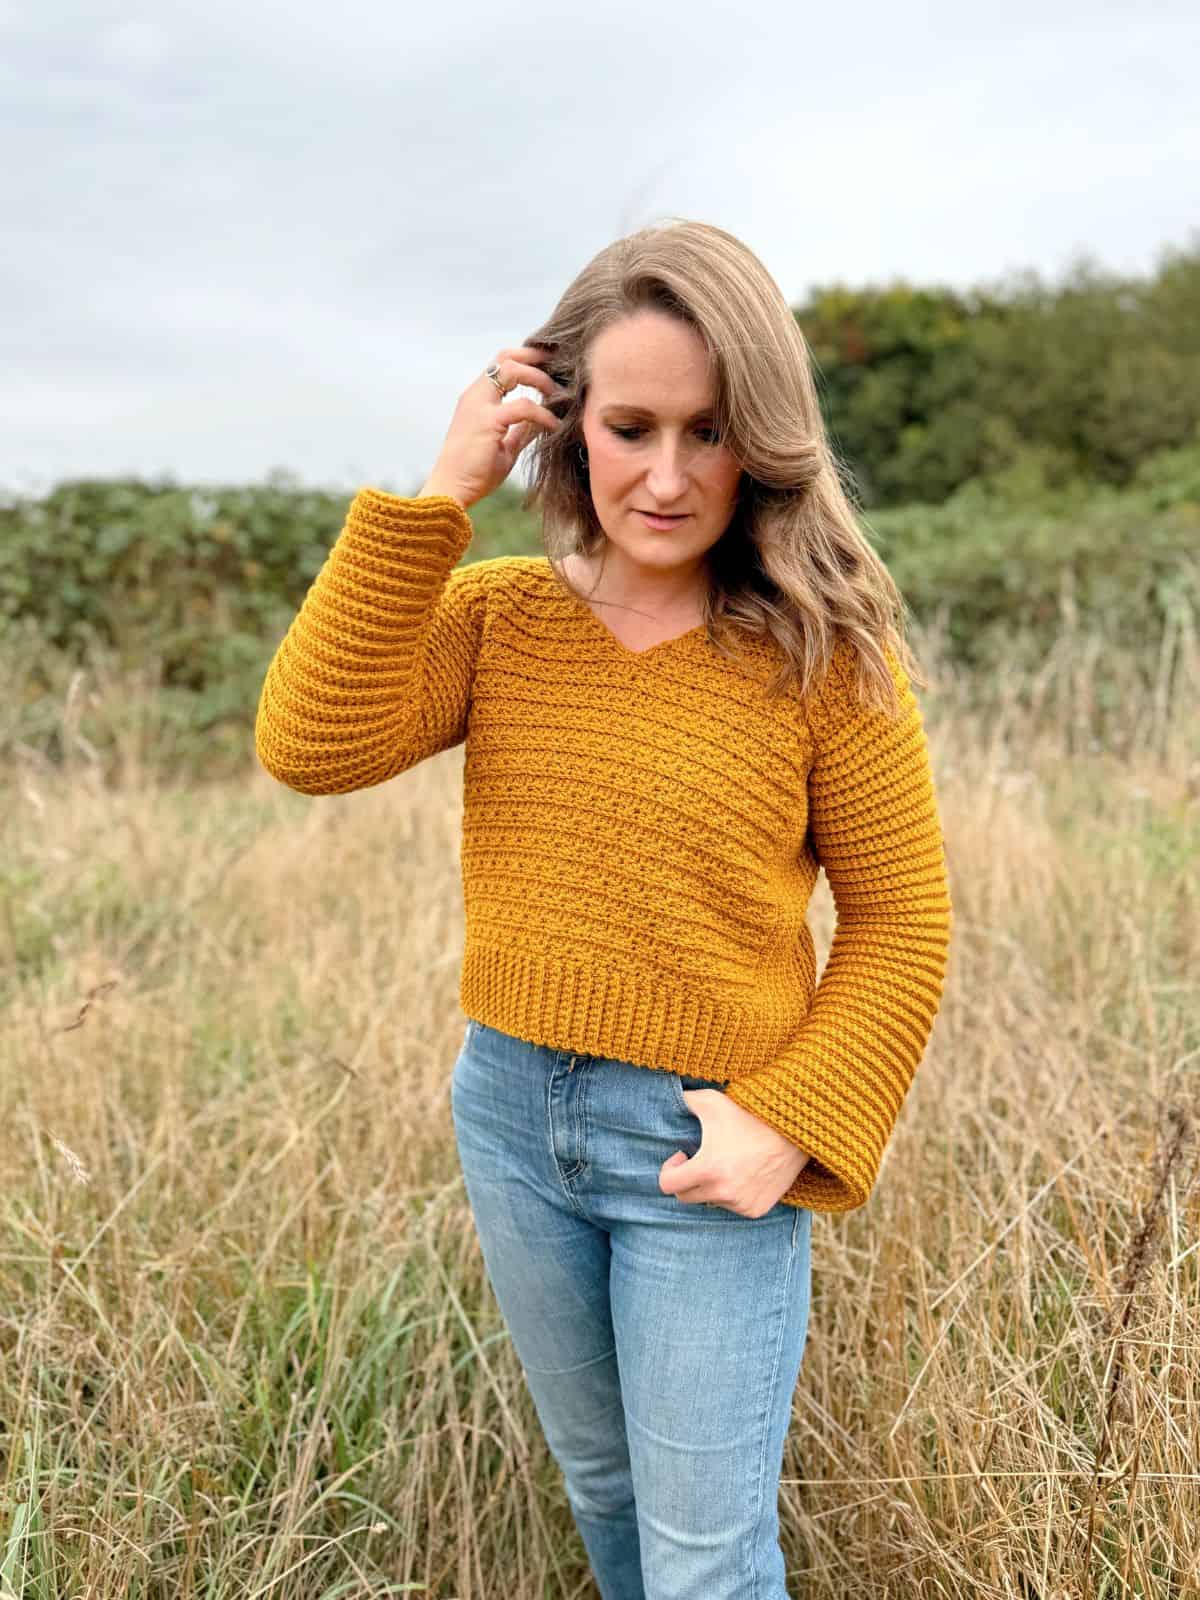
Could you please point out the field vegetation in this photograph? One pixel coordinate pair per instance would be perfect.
(247, 1345)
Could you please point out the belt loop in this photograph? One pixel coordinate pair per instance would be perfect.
(571, 1068)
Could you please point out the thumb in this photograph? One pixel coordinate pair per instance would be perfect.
(672, 1163)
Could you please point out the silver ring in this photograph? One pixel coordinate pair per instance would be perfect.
(492, 372)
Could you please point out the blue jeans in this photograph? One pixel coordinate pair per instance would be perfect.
(661, 1339)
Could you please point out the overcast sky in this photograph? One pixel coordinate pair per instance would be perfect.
(240, 236)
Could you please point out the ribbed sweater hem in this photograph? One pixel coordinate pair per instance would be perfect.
(603, 1012)
(587, 1010)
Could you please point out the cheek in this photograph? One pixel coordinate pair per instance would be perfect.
(721, 478)
(604, 462)
(604, 452)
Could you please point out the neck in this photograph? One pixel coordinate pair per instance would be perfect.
(609, 577)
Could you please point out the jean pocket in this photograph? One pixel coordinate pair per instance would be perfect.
(684, 1080)
(465, 1062)
(677, 1094)
(473, 1033)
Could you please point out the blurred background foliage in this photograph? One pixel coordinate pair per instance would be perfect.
(927, 389)
(1024, 457)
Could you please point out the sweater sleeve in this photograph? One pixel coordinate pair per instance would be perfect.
(836, 1088)
(374, 673)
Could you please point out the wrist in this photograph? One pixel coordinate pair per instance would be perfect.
(433, 487)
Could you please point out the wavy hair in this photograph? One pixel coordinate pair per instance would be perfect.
(793, 564)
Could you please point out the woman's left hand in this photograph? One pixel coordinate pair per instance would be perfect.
(742, 1164)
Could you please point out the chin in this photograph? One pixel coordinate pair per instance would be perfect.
(660, 547)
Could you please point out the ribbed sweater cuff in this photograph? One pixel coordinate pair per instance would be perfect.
(435, 527)
(810, 1107)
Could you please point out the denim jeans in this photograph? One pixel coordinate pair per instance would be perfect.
(661, 1339)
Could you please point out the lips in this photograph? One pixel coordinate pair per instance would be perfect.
(657, 521)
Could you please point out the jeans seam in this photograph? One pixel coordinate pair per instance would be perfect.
(582, 1129)
(766, 1413)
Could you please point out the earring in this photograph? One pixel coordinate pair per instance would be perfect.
(583, 455)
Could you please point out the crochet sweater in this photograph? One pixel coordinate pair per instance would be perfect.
(642, 830)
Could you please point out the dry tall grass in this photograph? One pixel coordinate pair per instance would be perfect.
(248, 1346)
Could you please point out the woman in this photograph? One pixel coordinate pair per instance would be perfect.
(697, 698)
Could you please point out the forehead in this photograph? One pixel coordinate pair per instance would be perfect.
(651, 361)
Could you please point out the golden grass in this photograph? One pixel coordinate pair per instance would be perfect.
(247, 1347)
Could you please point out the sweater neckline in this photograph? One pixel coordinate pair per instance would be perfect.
(617, 646)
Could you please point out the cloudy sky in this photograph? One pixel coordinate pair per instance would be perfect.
(243, 235)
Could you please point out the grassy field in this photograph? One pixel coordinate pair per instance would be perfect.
(247, 1347)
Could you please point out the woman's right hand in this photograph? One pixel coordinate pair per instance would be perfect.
(487, 433)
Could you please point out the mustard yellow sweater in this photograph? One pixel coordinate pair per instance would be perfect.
(641, 830)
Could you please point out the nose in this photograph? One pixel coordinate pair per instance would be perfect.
(667, 478)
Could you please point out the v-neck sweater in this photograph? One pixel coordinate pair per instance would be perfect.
(641, 830)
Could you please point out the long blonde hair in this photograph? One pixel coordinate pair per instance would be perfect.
(793, 564)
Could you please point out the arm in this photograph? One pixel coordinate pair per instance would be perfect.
(837, 1087)
(374, 673)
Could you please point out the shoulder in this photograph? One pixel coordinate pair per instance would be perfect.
(847, 659)
(493, 573)
(854, 685)
(494, 583)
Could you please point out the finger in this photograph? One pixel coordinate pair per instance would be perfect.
(530, 411)
(523, 352)
(512, 373)
(518, 438)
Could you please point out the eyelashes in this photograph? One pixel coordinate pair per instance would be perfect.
(629, 433)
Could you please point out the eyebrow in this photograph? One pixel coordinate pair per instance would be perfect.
(641, 411)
